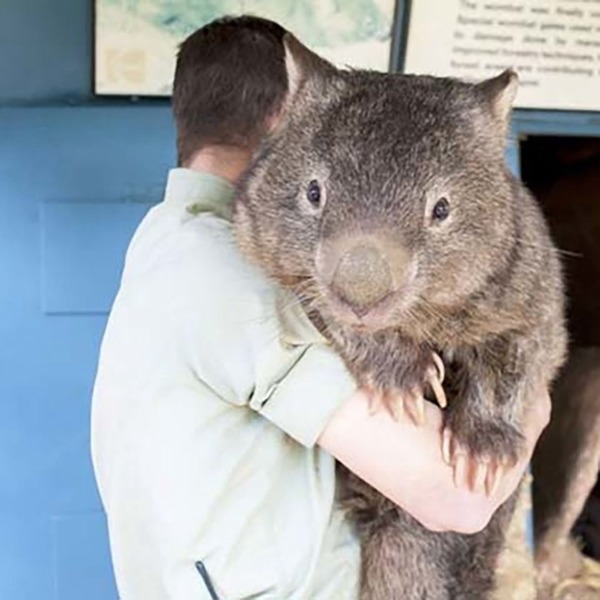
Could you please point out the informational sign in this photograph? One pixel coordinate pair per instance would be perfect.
(136, 41)
(554, 45)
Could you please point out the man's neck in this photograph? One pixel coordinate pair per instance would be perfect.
(228, 162)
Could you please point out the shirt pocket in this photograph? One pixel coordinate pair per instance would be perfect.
(248, 568)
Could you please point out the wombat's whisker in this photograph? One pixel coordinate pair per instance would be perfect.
(562, 252)
(571, 254)
(525, 244)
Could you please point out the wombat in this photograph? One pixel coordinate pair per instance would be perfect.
(384, 203)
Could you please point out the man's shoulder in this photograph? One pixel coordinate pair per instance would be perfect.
(195, 254)
(171, 234)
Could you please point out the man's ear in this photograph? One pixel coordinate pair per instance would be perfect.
(499, 93)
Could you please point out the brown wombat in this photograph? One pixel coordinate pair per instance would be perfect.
(384, 203)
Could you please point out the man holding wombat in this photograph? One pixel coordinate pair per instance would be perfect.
(219, 408)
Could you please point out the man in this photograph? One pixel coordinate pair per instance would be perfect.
(214, 461)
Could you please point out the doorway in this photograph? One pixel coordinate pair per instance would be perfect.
(564, 175)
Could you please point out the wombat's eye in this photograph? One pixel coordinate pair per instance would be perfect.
(441, 210)
(313, 193)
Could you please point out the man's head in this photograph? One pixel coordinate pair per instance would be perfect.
(230, 80)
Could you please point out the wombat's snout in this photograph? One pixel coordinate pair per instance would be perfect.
(363, 272)
(362, 278)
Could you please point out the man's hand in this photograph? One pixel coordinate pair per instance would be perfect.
(404, 462)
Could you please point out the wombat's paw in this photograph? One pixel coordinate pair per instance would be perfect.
(480, 452)
(409, 401)
(400, 403)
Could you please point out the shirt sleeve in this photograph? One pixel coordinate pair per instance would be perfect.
(302, 400)
(236, 343)
(226, 316)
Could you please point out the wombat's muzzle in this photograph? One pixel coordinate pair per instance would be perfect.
(363, 272)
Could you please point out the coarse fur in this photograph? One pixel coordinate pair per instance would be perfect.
(482, 288)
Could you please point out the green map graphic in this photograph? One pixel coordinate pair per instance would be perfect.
(352, 20)
(136, 40)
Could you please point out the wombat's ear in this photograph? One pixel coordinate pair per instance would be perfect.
(302, 65)
(306, 74)
(499, 93)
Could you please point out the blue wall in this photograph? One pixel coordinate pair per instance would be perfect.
(76, 176)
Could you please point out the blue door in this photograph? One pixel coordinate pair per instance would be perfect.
(74, 183)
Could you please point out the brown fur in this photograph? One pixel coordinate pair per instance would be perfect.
(484, 287)
(565, 468)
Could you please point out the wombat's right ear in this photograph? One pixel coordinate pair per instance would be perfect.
(306, 71)
(302, 65)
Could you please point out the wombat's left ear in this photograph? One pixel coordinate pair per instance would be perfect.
(499, 93)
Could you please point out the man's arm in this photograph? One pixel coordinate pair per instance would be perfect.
(404, 462)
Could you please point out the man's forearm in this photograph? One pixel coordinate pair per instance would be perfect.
(404, 462)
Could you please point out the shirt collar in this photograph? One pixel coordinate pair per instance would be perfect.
(200, 192)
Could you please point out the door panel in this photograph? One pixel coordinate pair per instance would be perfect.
(74, 183)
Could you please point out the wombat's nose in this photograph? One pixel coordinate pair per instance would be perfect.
(362, 278)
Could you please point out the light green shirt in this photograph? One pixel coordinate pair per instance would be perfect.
(211, 392)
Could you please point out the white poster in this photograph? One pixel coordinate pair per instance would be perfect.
(554, 45)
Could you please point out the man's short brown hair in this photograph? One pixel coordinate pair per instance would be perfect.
(229, 79)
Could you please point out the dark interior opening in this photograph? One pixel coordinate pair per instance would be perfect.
(564, 175)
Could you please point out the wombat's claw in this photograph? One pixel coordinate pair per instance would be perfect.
(380, 400)
(372, 405)
(435, 378)
(374, 397)
(439, 363)
(394, 405)
(447, 446)
(478, 475)
(399, 404)
(494, 477)
(414, 405)
(438, 391)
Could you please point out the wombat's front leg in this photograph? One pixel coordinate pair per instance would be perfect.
(482, 433)
(404, 392)
(396, 372)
